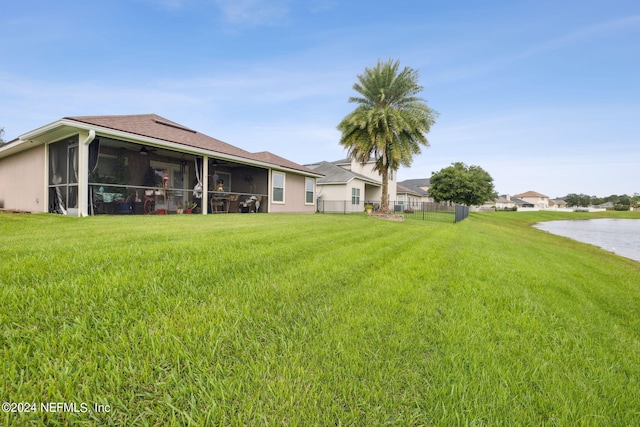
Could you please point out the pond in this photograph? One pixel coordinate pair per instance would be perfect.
(621, 236)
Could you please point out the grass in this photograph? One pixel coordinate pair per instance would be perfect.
(316, 320)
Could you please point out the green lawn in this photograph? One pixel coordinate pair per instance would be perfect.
(316, 320)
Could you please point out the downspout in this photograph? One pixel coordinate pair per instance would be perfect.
(83, 172)
(205, 184)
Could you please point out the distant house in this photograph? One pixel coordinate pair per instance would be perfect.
(138, 164)
(346, 185)
(522, 203)
(607, 205)
(557, 204)
(414, 190)
(536, 200)
(504, 202)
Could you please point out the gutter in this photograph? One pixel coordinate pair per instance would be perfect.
(183, 148)
(90, 138)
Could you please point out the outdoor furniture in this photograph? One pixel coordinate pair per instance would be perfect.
(250, 204)
(232, 205)
(219, 204)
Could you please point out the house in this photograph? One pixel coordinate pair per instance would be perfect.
(414, 190)
(557, 204)
(520, 204)
(539, 201)
(503, 202)
(413, 193)
(346, 185)
(145, 163)
(407, 198)
(609, 206)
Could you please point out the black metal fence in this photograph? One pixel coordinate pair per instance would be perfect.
(425, 211)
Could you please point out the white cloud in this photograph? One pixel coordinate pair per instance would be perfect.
(169, 4)
(582, 35)
(253, 12)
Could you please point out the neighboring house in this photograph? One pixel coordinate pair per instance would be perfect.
(537, 200)
(407, 198)
(501, 203)
(414, 191)
(557, 204)
(347, 185)
(522, 203)
(142, 164)
(607, 206)
(526, 201)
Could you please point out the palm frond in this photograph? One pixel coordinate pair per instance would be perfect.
(390, 121)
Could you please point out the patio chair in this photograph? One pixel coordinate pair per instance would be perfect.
(232, 204)
(248, 205)
(219, 205)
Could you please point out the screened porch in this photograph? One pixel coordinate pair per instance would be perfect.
(127, 178)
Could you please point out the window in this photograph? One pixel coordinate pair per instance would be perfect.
(355, 196)
(308, 190)
(277, 182)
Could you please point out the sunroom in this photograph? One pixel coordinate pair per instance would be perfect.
(129, 178)
(145, 164)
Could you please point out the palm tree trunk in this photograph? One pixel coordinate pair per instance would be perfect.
(384, 203)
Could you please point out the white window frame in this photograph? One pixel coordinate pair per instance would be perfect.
(284, 185)
(307, 191)
(355, 195)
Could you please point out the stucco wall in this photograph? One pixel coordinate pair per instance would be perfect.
(375, 193)
(538, 202)
(22, 181)
(334, 192)
(294, 196)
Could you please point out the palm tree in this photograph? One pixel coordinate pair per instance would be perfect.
(390, 122)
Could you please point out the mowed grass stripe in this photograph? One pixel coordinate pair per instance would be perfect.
(316, 320)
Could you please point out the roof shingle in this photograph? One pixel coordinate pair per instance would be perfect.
(157, 127)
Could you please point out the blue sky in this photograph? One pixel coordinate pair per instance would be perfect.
(544, 95)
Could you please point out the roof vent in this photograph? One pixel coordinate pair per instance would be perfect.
(173, 125)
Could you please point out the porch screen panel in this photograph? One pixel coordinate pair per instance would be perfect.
(63, 175)
(72, 175)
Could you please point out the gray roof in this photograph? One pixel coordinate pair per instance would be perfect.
(404, 190)
(521, 202)
(348, 160)
(160, 129)
(415, 184)
(503, 199)
(336, 175)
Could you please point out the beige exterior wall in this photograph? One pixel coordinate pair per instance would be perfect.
(334, 192)
(408, 199)
(538, 202)
(375, 193)
(294, 196)
(22, 181)
(338, 197)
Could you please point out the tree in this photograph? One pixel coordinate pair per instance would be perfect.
(581, 200)
(2, 141)
(390, 121)
(459, 183)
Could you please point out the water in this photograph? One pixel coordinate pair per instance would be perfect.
(621, 236)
